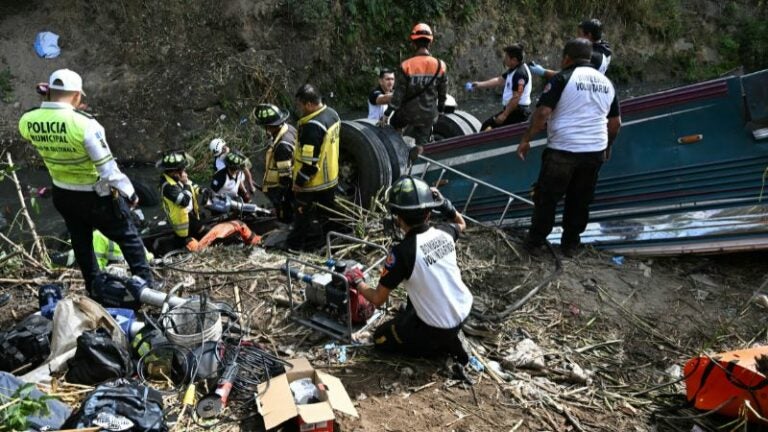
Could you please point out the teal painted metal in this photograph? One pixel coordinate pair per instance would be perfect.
(651, 172)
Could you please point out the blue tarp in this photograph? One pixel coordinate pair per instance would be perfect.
(58, 412)
(47, 45)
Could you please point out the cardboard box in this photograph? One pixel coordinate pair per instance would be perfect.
(275, 400)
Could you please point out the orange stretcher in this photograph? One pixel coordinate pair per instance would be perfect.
(222, 231)
(724, 382)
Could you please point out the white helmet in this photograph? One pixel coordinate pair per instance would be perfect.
(217, 146)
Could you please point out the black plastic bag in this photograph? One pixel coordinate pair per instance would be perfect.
(120, 401)
(98, 358)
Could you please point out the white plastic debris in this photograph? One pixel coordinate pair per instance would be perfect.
(304, 390)
(674, 371)
(47, 45)
(526, 354)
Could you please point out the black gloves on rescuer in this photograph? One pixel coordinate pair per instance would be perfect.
(447, 209)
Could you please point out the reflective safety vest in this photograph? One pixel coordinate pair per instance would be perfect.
(327, 161)
(178, 215)
(57, 134)
(106, 250)
(274, 169)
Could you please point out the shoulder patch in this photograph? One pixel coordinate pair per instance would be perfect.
(389, 264)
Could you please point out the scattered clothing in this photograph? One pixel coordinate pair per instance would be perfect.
(47, 45)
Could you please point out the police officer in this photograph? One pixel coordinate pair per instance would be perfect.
(516, 99)
(580, 110)
(278, 173)
(425, 262)
(180, 199)
(315, 167)
(420, 90)
(231, 180)
(89, 190)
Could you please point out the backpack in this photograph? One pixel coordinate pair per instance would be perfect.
(28, 342)
(121, 402)
(98, 358)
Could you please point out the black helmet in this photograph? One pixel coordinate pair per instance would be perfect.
(270, 115)
(235, 159)
(411, 198)
(173, 161)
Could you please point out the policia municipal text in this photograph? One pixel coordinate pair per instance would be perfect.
(89, 190)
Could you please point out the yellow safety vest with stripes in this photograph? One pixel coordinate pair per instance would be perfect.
(106, 250)
(327, 161)
(275, 168)
(58, 135)
(178, 215)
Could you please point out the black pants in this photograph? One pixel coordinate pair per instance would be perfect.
(408, 334)
(564, 173)
(281, 198)
(421, 131)
(308, 231)
(85, 211)
(519, 115)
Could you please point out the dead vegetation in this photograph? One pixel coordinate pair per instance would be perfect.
(597, 346)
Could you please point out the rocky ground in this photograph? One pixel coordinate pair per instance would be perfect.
(605, 337)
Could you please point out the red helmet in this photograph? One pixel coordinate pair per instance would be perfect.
(421, 31)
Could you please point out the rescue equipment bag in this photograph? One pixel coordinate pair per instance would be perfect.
(28, 342)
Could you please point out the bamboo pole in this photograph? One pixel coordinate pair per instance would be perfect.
(39, 244)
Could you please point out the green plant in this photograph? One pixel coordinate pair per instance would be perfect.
(6, 89)
(16, 409)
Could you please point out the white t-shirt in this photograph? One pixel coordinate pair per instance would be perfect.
(224, 184)
(434, 285)
(581, 99)
(521, 75)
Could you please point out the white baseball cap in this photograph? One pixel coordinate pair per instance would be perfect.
(66, 80)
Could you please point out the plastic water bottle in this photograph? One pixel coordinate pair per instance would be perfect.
(475, 363)
(468, 86)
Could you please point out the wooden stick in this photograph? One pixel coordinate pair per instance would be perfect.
(38, 242)
(29, 257)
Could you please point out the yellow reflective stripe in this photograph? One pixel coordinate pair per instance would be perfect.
(103, 160)
(308, 153)
(61, 161)
(320, 187)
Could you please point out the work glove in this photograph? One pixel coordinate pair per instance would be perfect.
(536, 69)
(354, 277)
(446, 208)
(469, 86)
